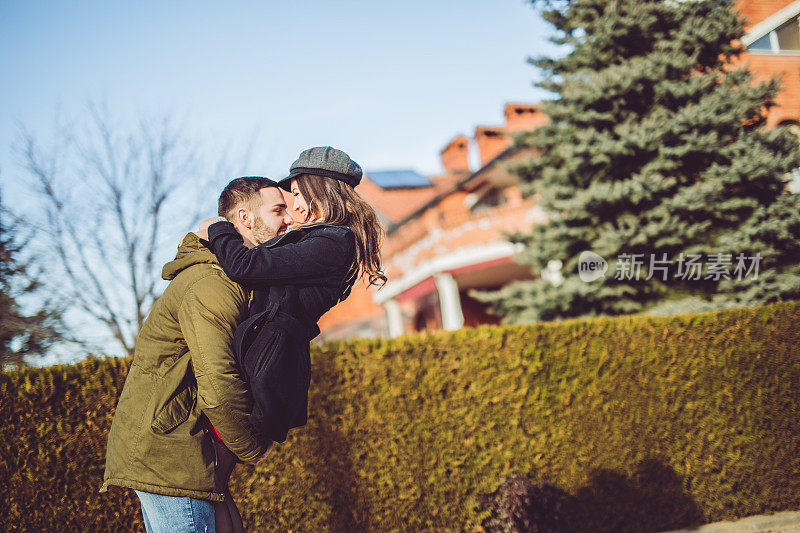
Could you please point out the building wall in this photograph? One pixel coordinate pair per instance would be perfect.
(452, 227)
(358, 312)
(788, 100)
(757, 10)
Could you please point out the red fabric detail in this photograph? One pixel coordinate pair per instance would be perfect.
(214, 433)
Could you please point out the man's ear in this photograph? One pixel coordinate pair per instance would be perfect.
(243, 216)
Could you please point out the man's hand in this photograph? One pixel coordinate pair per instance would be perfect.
(202, 231)
(264, 455)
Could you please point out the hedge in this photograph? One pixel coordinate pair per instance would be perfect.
(649, 423)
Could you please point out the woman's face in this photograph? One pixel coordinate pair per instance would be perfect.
(300, 212)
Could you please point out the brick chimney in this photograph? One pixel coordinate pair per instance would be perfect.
(492, 141)
(521, 117)
(455, 156)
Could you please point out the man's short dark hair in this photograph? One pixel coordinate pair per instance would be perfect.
(241, 190)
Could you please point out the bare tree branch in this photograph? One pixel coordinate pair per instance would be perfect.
(113, 202)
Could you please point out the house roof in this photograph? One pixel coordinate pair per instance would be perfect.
(393, 204)
(400, 196)
(465, 182)
(399, 179)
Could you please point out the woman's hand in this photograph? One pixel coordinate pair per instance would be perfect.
(264, 455)
(202, 231)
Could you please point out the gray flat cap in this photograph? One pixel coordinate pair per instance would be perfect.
(324, 161)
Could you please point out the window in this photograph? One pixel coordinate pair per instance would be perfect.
(789, 35)
(761, 44)
(493, 198)
(784, 38)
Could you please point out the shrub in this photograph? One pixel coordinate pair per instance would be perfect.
(648, 423)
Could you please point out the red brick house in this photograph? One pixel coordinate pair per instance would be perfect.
(445, 232)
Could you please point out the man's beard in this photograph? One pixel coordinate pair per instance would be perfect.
(261, 232)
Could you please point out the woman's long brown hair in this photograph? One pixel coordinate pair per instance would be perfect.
(331, 201)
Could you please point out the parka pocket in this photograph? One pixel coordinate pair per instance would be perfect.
(176, 411)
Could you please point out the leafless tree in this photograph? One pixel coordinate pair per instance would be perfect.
(113, 203)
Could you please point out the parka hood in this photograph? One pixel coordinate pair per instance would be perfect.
(190, 252)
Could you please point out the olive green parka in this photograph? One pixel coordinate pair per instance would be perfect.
(183, 367)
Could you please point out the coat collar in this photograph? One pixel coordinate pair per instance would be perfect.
(293, 235)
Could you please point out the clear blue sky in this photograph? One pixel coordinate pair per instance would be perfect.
(389, 82)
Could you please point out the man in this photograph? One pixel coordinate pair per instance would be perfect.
(183, 372)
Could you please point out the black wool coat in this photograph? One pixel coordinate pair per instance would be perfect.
(295, 277)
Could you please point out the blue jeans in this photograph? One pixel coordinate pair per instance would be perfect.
(179, 514)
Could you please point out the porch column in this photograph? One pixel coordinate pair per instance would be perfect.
(394, 317)
(449, 301)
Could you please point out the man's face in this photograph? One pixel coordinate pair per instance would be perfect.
(271, 218)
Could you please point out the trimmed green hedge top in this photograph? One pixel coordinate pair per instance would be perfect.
(648, 423)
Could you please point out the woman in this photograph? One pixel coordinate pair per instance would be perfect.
(296, 278)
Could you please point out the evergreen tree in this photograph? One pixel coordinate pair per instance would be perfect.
(21, 335)
(656, 146)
